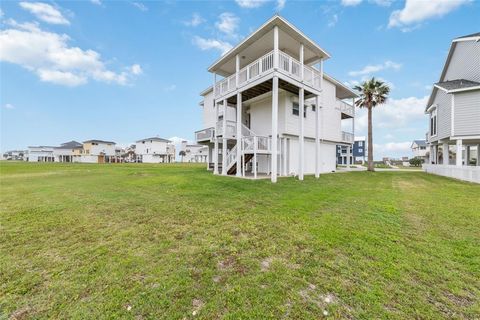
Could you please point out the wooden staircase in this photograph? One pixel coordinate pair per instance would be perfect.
(246, 158)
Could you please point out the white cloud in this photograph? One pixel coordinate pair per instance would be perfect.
(280, 5)
(350, 3)
(140, 6)
(396, 113)
(369, 69)
(228, 23)
(45, 12)
(383, 3)
(207, 44)
(97, 2)
(392, 148)
(333, 21)
(416, 11)
(136, 69)
(9, 106)
(1, 13)
(250, 3)
(194, 21)
(49, 56)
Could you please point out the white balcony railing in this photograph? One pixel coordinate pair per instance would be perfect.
(231, 129)
(262, 66)
(256, 144)
(205, 134)
(345, 108)
(347, 137)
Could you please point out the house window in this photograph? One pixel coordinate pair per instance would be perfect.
(296, 111)
(360, 143)
(220, 118)
(433, 123)
(314, 107)
(360, 150)
(423, 148)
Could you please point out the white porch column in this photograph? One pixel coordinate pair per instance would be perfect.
(239, 135)
(274, 146)
(301, 61)
(317, 137)
(301, 135)
(459, 153)
(224, 139)
(467, 155)
(255, 139)
(237, 69)
(285, 157)
(275, 47)
(445, 152)
(478, 154)
(348, 156)
(215, 156)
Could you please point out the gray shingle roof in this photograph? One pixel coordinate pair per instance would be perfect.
(457, 84)
(477, 34)
(99, 141)
(70, 145)
(420, 143)
(155, 139)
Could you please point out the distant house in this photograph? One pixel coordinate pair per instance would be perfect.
(98, 151)
(68, 152)
(194, 152)
(41, 154)
(155, 150)
(17, 155)
(419, 149)
(357, 154)
(453, 111)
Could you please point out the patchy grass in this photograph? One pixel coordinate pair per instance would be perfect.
(175, 242)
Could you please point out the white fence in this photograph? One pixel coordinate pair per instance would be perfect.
(466, 173)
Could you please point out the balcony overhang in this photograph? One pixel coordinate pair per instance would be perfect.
(261, 42)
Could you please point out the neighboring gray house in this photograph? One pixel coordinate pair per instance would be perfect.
(454, 113)
(419, 149)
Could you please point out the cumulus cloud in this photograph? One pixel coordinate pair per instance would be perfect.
(140, 6)
(45, 12)
(333, 21)
(392, 149)
(350, 3)
(194, 21)
(396, 113)
(207, 44)
(97, 2)
(49, 56)
(9, 106)
(280, 5)
(227, 23)
(417, 11)
(250, 3)
(369, 69)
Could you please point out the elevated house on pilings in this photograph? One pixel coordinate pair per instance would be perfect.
(271, 110)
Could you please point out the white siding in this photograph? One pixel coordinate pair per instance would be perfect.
(107, 149)
(208, 111)
(151, 147)
(443, 102)
(467, 113)
(465, 62)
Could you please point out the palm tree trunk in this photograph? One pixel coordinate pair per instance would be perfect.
(370, 140)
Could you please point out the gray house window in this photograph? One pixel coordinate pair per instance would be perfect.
(296, 111)
(433, 123)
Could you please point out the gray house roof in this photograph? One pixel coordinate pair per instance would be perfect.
(420, 143)
(477, 34)
(99, 141)
(457, 84)
(155, 139)
(70, 145)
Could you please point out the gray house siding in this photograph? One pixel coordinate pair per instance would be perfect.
(467, 113)
(465, 62)
(443, 102)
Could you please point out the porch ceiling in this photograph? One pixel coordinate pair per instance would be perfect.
(265, 87)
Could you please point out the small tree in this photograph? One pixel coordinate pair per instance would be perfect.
(416, 162)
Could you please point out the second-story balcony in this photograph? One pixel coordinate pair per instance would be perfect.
(205, 135)
(347, 137)
(265, 65)
(347, 110)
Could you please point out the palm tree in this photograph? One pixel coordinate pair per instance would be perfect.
(182, 154)
(373, 92)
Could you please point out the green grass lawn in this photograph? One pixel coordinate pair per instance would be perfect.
(141, 241)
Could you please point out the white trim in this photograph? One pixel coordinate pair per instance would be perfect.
(441, 88)
(475, 38)
(433, 106)
(465, 137)
(464, 89)
(452, 117)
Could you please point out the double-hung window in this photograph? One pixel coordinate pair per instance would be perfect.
(296, 110)
(433, 123)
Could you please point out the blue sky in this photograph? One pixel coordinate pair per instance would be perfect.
(125, 70)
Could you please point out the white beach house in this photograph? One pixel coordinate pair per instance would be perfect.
(453, 111)
(272, 110)
(194, 152)
(98, 151)
(155, 150)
